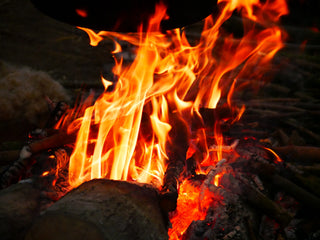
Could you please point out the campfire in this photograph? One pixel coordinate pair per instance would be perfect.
(166, 151)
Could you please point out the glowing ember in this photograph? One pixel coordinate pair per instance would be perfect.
(169, 75)
(277, 158)
(187, 209)
(82, 12)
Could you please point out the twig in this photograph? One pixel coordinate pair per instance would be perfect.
(59, 139)
(302, 129)
(303, 154)
(24, 162)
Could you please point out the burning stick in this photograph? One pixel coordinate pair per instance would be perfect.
(177, 151)
(57, 140)
(20, 167)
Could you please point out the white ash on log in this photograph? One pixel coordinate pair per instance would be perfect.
(103, 209)
(19, 205)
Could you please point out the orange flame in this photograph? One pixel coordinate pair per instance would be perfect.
(170, 75)
(277, 158)
(187, 210)
(124, 135)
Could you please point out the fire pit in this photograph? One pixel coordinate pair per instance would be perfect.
(176, 146)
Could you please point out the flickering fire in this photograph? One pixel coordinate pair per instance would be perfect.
(169, 75)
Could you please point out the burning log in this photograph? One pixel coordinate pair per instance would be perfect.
(19, 205)
(177, 152)
(103, 209)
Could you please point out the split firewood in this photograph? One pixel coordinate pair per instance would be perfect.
(269, 172)
(302, 129)
(256, 198)
(103, 209)
(307, 179)
(304, 197)
(19, 206)
(303, 154)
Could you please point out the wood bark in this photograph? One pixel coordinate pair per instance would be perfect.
(103, 209)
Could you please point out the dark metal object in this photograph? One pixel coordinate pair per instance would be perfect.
(124, 15)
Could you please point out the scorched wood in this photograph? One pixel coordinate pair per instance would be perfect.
(103, 209)
(177, 151)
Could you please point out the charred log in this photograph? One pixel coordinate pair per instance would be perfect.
(103, 209)
(177, 151)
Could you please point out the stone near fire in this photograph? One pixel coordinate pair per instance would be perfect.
(19, 205)
(103, 209)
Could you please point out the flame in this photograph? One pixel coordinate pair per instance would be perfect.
(168, 74)
(187, 210)
(217, 178)
(277, 158)
(45, 173)
(125, 133)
